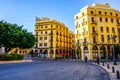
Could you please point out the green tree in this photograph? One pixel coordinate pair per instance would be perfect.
(12, 36)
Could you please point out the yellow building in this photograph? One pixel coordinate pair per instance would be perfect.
(20, 51)
(54, 39)
(94, 26)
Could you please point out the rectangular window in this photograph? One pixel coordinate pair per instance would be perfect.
(106, 19)
(45, 38)
(113, 30)
(101, 28)
(36, 45)
(76, 17)
(102, 38)
(36, 33)
(92, 19)
(93, 29)
(114, 40)
(116, 14)
(91, 12)
(105, 13)
(111, 13)
(99, 12)
(45, 44)
(108, 38)
(100, 19)
(51, 25)
(107, 29)
(40, 44)
(112, 20)
(51, 45)
(119, 30)
(82, 14)
(40, 38)
(41, 32)
(45, 32)
(41, 26)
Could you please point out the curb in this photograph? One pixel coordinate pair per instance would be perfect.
(15, 61)
(104, 70)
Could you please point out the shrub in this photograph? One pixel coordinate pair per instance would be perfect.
(11, 57)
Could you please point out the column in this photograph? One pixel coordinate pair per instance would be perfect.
(48, 53)
(90, 52)
(99, 51)
(82, 52)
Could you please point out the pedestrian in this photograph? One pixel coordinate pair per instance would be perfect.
(98, 60)
(86, 58)
(55, 58)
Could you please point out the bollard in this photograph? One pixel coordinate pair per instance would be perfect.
(113, 70)
(117, 74)
(108, 66)
(103, 63)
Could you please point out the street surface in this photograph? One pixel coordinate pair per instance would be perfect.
(52, 70)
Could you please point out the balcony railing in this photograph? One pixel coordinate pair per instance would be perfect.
(93, 22)
(51, 40)
(95, 42)
(94, 32)
(118, 24)
(84, 23)
(51, 33)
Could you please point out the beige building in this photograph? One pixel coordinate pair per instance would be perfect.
(95, 26)
(54, 39)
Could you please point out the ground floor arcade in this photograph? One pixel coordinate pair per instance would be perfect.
(93, 51)
(54, 52)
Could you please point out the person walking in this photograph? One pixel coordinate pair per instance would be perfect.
(86, 58)
(98, 60)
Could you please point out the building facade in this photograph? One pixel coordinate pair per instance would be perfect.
(54, 39)
(97, 28)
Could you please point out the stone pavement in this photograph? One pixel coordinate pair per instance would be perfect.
(108, 66)
(15, 61)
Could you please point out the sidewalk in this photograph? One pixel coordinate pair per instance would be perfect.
(113, 76)
(15, 61)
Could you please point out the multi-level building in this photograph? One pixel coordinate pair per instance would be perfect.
(97, 27)
(53, 39)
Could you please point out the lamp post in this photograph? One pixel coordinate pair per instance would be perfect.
(113, 51)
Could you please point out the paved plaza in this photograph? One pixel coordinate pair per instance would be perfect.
(52, 70)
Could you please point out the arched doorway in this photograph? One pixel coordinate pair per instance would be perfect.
(45, 54)
(63, 53)
(95, 52)
(86, 52)
(51, 53)
(41, 54)
(57, 55)
(102, 52)
(66, 54)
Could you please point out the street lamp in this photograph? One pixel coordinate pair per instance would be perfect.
(113, 51)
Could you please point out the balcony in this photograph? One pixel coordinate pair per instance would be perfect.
(84, 23)
(51, 40)
(51, 33)
(95, 32)
(51, 46)
(118, 24)
(84, 33)
(94, 42)
(93, 22)
(84, 43)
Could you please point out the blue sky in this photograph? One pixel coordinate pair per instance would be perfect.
(24, 12)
